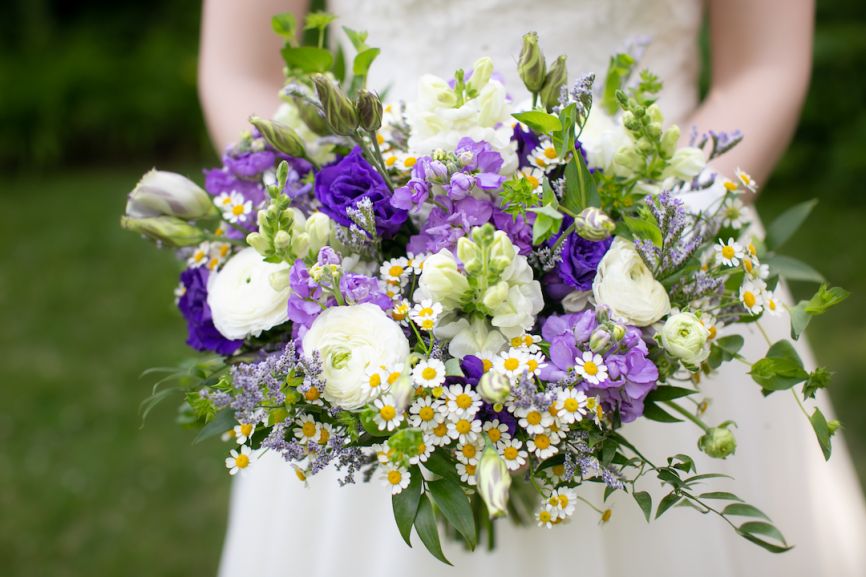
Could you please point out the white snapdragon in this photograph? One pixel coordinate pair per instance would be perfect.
(350, 340)
(625, 285)
(241, 298)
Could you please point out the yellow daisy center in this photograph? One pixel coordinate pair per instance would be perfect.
(238, 209)
(426, 413)
(487, 364)
(427, 324)
(395, 270)
(429, 373)
(542, 441)
(730, 185)
(309, 429)
(590, 368)
(494, 434)
(510, 453)
(246, 429)
(747, 264)
(394, 477)
(392, 377)
(242, 461)
(312, 394)
(605, 517)
(463, 401)
(533, 417)
(749, 299)
(387, 412)
(558, 470)
(463, 426)
(570, 405)
(771, 304)
(533, 182)
(425, 312)
(380, 139)
(563, 501)
(324, 436)
(390, 160)
(470, 470)
(375, 380)
(532, 365)
(410, 161)
(550, 152)
(468, 451)
(544, 517)
(511, 364)
(440, 430)
(728, 252)
(300, 475)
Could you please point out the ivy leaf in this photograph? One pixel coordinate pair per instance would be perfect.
(822, 432)
(425, 526)
(405, 504)
(455, 507)
(780, 369)
(539, 121)
(787, 223)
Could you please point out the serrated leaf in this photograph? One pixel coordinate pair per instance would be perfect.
(786, 224)
(666, 503)
(308, 59)
(822, 432)
(428, 532)
(744, 510)
(824, 299)
(358, 39)
(455, 507)
(284, 25)
(539, 121)
(405, 504)
(645, 502)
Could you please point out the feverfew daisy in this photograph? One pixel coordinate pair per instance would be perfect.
(313, 396)
(462, 401)
(731, 186)
(234, 208)
(533, 363)
(746, 180)
(468, 453)
(733, 213)
(543, 445)
(534, 420)
(423, 451)
(571, 404)
(545, 516)
(562, 502)
(497, 433)
(487, 359)
(439, 435)
(376, 381)
(593, 407)
(405, 162)
(730, 252)
(397, 478)
(467, 473)
(425, 314)
(544, 156)
(429, 373)
(244, 432)
(395, 271)
(511, 363)
(751, 295)
(464, 429)
(400, 311)
(387, 416)
(591, 367)
(771, 304)
(238, 461)
(382, 451)
(200, 255)
(513, 455)
(534, 176)
(424, 413)
(526, 341)
(416, 261)
(325, 432)
(308, 429)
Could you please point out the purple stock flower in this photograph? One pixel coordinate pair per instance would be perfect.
(359, 289)
(518, 228)
(339, 186)
(580, 258)
(446, 224)
(479, 158)
(327, 256)
(411, 195)
(202, 334)
(304, 304)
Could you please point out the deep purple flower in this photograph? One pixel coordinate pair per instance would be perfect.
(359, 289)
(341, 185)
(527, 141)
(202, 334)
(580, 258)
(249, 164)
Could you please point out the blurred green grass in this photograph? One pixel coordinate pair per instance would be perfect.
(86, 306)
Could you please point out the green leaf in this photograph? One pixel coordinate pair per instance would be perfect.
(358, 39)
(792, 269)
(780, 369)
(339, 67)
(766, 545)
(824, 299)
(731, 344)
(668, 393)
(655, 413)
(547, 210)
(363, 60)
(752, 528)
(787, 223)
(442, 466)
(153, 400)
(799, 319)
(285, 25)
(618, 71)
(721, 495)
(669, 501)
(644, 228)
(670, 476)
(564, 139)
(308, 59)
(425, 526)
(818, 379)
(222, 422)
(539, 121)
(744, 510)
(822, 432)
(369, 424)
(645, 502)
(405, 504)
(455, 507)
(580, 188)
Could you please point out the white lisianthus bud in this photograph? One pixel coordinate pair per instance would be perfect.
(442, 281)
(626, 286)
(318, 228)
(494, 482)
(685, 337)
(495, 295)
(494, 387)
(576, 301)
(502, 251)
(686, 163)
(168, 230)
(161, 193)
(481, 73)
(593, 224)
(350, 340)
(469, 254)
(242, 301)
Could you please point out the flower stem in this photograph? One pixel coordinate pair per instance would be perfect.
(687, 414)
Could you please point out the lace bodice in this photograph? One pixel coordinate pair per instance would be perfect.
(438, 37)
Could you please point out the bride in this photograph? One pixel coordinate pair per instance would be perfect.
(761, 54)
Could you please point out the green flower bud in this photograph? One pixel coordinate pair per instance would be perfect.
(593, 224)
(483, 235)
(161, 193)
(833, 426)
(339, 110)
(280, 136)
(494, 387)
(318, 228)
(282, 240)
(600, 340)
(530, 65)
(718, 443)
(494, 482)
(469, 254)
(554, 81)
(369, 110)
(165, 229)
(669, 140)
(618, 332)
(311, 116)
(502, 252)
(481, 73)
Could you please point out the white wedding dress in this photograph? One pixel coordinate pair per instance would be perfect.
(278, 528)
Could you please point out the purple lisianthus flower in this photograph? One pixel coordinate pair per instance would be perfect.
(527, 141)
(341, 185)
(518, 228)
(449, 222)
(580, 258)
(359, 289)
(304, 304)
(202, 335)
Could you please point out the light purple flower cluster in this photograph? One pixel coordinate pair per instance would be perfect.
(679, 241)
(262, 381)
(631, 374)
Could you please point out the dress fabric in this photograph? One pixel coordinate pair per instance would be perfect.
(279, 528)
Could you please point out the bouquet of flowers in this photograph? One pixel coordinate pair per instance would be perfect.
(468, 295)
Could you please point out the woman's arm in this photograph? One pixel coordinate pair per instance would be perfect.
(761, 62)
(240, 69)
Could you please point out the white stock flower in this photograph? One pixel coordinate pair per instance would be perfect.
(469, 337)
(625, 285)
(685, 337)
(602, 138)
(242, 301)
(686, 163)
(516, 314)
(349, 340)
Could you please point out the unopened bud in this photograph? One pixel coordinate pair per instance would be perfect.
(530, 65)
(600, 340)
(556, 78)
(469, 254)
(593, 224)
(493, 482)
(259, 242)
(161, 193)
(718, 442)
(494, 387)
(369, 110)
(340, 113)
(165, 229)
(280, 136)
(282, 240)
(481, 73)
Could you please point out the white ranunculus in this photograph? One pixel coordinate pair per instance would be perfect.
(516, 313)
(437, 124)
(602, 137)
(442, 281)
(242, 301)
(624, 284)
(350, 340)
(685, 337)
